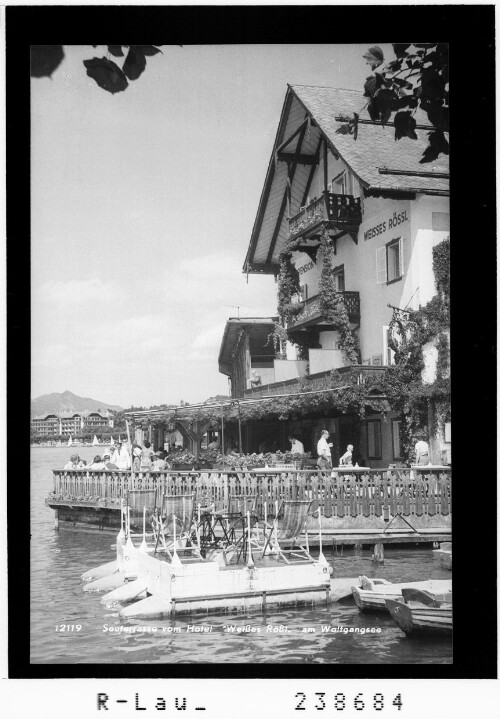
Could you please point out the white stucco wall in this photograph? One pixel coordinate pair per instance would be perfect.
(322, 360)
(385, 220)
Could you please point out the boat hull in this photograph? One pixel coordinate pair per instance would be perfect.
(158, 587)
(417, 619)
(372, 594)
(444, 556)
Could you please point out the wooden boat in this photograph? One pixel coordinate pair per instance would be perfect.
(444, 555)
(419, 612)
(372, 593)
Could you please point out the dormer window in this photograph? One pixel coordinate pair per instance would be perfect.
(340, 184)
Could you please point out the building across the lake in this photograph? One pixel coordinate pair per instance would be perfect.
(71, 422)
(359, 217)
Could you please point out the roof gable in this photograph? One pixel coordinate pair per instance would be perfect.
(380, 163)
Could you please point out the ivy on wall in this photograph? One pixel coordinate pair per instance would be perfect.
(288, 286)
(407, 394)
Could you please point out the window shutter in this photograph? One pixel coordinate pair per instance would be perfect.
(381, 266)
(401, 258)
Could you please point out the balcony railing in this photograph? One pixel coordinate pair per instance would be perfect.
(341, 212)
(311, 310)
(353, 374)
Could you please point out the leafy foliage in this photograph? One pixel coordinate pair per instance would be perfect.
(406, 392)
(417, 78)
(45, 59)
(107, 74)
(288, 286)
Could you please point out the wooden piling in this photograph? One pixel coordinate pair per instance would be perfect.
(378, 553)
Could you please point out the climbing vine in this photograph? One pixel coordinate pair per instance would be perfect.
(406, 392)
(332, 303)
(288, 286)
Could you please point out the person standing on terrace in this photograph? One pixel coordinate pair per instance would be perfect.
(121, 456)
(324, 451)
(146, 455)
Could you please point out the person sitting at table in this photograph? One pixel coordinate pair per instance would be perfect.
(346, 459)
(422, 452)
(157, 461)
(97, 463)
(297, 446)
(107, 461)
(72, 462)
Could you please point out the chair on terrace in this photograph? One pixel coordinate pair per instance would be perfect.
(288, 525)
(172, 526)
(141, 509)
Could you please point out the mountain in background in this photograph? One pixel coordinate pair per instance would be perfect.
(62, 402)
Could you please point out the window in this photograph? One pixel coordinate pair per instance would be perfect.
(340, 184)
(339, 278)
(394, 260)
(374, 430)
(396, 443)
(389, 262)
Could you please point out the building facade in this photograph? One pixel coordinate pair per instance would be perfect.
(71, 423)
(363, 217)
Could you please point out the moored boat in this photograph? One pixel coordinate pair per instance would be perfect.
(169, 575)
(371, 595)
(444, 555)
(418, 612)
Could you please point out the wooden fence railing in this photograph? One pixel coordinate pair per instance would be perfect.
(373, 493)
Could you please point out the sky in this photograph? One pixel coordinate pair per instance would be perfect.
(142, 208)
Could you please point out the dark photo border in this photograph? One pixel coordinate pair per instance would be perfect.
(470, 33)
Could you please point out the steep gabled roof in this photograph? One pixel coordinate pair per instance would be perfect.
(381, 164)
(258, 329)
(375, 146)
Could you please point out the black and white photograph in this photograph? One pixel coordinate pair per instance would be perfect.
(241, 300)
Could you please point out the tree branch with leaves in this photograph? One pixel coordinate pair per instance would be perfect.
(45, 59)
(417, 79)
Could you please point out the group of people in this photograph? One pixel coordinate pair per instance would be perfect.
(143, 458)
(324, 449)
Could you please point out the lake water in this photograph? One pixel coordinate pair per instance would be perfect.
(59, 559)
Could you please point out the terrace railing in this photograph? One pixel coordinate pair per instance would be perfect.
(373, 493)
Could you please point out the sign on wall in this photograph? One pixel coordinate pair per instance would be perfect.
(387, 223)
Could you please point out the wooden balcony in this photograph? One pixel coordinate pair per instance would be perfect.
(338, 213)
(311, 313)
